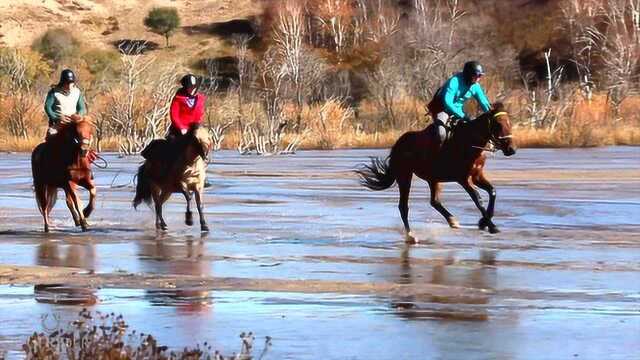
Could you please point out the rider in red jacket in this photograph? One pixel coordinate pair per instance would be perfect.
(187, 107)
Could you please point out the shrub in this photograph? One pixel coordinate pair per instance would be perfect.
(35, 67)
(102, 62)
(57, 44)
(163, 21)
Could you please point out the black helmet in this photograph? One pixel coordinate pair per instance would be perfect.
(472, 68)
(67, 76)
(188, 81)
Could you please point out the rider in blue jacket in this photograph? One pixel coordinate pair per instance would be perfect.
(447, 105)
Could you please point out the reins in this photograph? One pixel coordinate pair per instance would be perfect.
(491, 141)
(104, 163)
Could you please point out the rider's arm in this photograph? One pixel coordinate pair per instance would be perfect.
(449, 98)
(81, 106)
(49, 104)
(174, 113)
(199, 109)
(479, 95)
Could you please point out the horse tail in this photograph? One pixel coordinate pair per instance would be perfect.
(46, 195)
(378, 175)
(143, 187)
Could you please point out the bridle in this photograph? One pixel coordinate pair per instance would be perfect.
(494, 141)
(84, 143)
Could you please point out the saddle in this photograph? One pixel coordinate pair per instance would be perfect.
(165, 150)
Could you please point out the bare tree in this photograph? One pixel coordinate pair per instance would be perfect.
(428, 36)
(336, 18)
(383, 25)
(288, 36)
(301, 70)
(547, 104)
(245, 73)
(14, 67)
(606, 38)
(139, 107)
(385, 83)
(162, 89)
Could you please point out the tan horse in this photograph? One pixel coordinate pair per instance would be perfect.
(185, 174)
(62, 162)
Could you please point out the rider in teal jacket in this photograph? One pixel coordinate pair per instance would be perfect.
(448, 102)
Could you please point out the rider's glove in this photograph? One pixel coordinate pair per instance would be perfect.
(52, 131)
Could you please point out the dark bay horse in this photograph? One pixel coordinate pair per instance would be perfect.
(185, 174)
(63, 162)
(461, 160)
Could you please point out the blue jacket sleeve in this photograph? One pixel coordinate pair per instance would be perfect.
(81, 106)
(449, 97)
(479, 95)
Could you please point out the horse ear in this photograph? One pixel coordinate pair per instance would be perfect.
(497, 107)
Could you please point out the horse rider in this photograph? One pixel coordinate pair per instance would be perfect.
(64, 103)
(447, 106)
(186, 111)
(187, 108)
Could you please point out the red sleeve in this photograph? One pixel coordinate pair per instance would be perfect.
(176, 120)
(199, 110)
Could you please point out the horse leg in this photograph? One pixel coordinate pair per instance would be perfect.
(473, 193)
(51, 194)
(188, 215)
(404, 185)
(158, 199)
(435, 188)
(68, 193)
(485, 185)
(90, 186)
(77, 205)
(41, 198)
(203, 223)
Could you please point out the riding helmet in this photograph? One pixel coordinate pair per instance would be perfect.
(472, 68)
(67, 76)
(188, 81)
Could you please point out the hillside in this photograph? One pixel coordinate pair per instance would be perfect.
(100, 23)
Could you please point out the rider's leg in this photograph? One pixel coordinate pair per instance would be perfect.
(439, 130)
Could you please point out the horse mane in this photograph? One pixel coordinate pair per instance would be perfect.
(202, 135)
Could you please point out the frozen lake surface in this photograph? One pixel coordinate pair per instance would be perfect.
(318, 263)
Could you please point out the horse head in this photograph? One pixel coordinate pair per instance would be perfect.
(84, 136)
(500, 129)
(203, 141)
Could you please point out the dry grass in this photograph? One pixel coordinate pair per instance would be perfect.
(352, 138)
(334, 125)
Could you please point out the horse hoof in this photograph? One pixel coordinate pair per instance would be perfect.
(204, 228)
(483, 223)
(188, 218)
(410, 239)
(46, 228)
(493, 229)
(453, 223)
(84, 225)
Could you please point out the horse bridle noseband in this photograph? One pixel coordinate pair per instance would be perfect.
(494, 139)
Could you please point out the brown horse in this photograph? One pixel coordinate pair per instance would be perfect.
(461, 160)
(62, 162)
(185, 174)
